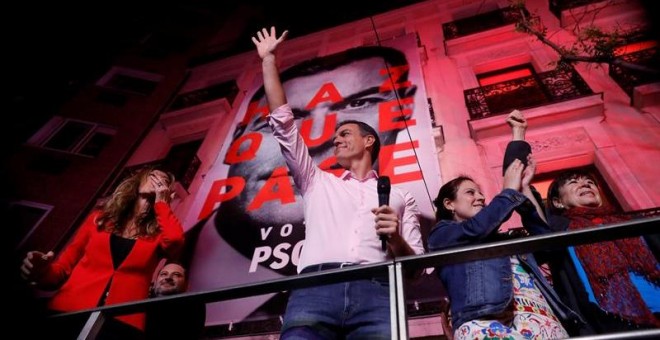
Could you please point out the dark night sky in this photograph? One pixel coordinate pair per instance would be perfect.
(55, 48)
(63, 39)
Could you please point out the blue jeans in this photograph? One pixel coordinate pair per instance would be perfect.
(347, 310)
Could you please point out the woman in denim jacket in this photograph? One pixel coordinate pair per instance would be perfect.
(505, 297)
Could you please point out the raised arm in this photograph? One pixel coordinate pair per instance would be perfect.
(518, 125)
(266, 43)
(527, 190)
(281, 118)
(517, 148)
(473, 230)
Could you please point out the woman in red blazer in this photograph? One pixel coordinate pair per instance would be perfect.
(112, 257)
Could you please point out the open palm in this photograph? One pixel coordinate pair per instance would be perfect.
(266, 42)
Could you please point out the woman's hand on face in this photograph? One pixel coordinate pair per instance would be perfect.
(513, 175)
(161, 188)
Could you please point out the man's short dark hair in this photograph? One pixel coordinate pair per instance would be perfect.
(178, 263)
(365, 130)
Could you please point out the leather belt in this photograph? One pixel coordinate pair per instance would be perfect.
(326, 266)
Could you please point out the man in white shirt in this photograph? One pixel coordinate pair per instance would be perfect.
(262, 240)
(344, 209)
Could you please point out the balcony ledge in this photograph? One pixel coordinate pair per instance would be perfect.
(646, 95)
(478, 41)
(547, 115)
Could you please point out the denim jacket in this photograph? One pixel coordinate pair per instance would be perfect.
(484, 287)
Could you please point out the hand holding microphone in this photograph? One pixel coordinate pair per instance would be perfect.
(384, 189)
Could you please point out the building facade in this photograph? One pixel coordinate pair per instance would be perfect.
(155, 106)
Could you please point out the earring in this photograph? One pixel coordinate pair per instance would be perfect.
(452, 212)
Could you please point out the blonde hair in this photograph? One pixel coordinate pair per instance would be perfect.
(117, 210)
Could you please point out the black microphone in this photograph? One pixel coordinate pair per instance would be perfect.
(383, 199)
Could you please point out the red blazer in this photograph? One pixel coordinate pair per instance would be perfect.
(85, 266)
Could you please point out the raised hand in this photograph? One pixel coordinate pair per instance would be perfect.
(34, 265)
(528, 173)
(161, 187)
(527, 177)
(518, 124)
(515, 119)
(513, 175)
(266, 42)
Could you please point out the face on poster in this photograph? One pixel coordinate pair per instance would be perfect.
(248, 215)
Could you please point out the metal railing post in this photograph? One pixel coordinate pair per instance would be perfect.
(401, 303)
(394, 320)
(92, 326)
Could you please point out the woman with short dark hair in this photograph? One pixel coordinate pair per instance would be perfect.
(615, 284)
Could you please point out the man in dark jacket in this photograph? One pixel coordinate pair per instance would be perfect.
(178, 321)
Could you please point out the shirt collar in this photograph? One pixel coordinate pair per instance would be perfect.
(348, 175)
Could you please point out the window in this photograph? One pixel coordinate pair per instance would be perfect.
(499, 76)
(558, 6)
(643, 52)
(481, 22)
(635, 47)
(520, 87)
(25, 217)
(516, 86)
(130, 81)
(73, 136)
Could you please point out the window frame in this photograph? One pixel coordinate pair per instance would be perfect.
(46, 208)
(51, 129)
(106, 81)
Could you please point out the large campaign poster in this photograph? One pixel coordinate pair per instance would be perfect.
(246, 223)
